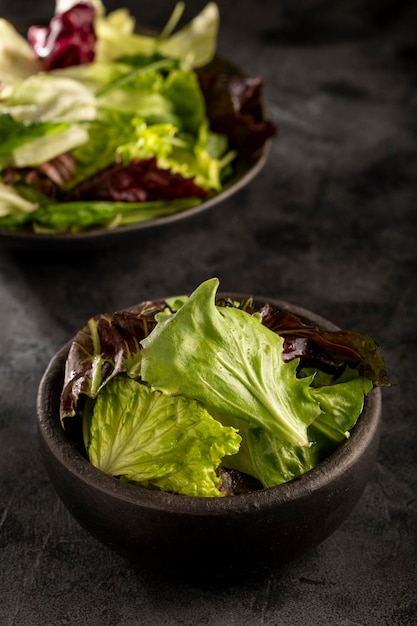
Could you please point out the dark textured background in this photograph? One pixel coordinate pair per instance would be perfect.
(328, 224)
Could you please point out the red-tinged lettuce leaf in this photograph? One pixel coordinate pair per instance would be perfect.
(138, 181)
(310, 353)
(68, 40)
(234, 107)
(46, 177)
(330, 351)
(328, 347)
(107, 345)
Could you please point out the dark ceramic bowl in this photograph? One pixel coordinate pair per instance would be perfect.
(209, 537)
(245, 168)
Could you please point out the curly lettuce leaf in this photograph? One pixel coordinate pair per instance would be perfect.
(203, 160)
(165, 442)
(170, 122)
(151, 114)
(231, 363)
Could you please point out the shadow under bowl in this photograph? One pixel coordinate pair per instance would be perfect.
(208, 537)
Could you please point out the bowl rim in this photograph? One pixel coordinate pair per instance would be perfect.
(334, 466)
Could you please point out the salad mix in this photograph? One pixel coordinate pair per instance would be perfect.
(101, 126)
(204, 396)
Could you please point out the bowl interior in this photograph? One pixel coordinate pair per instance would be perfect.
(73, 457)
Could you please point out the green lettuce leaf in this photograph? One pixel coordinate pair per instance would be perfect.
(182, 89)
(104, 137)
(13, 204)
(49, 115)
(17, 60)
(14, 134)
(170, 123)
(147, 113)
(268, 458)
(116, 37)
(195, 43)
(165, 442)
(274, 461)
(341, 403)
(46, 97)
(231, 363)
(72, 217)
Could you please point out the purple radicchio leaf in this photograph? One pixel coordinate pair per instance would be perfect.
(141, 180)
(68, 40)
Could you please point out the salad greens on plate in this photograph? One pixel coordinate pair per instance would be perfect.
(101, 126)
(205, 396)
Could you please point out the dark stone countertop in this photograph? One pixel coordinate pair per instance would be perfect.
(328, 224)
